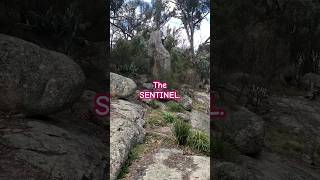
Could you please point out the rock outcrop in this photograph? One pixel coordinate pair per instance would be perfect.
(159, 55)
(34, 80)
(55, 147)
(121, 86)
(127, 130)
(309, 79)
(200, 120)
(186, 102)
(228, 170)
(246, 129)
(173, 164)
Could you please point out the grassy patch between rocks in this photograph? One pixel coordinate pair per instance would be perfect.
(199, 141)
(155, 119)
(299, 146)
(168, 117)
(181, 131)
(133, 155)
(174, 106)
(195, 139)
(154, 104)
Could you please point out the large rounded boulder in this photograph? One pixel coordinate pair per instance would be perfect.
(121, 87)
(36, 81)
(246, 129)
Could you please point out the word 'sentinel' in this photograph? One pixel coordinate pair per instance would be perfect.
(159, 92)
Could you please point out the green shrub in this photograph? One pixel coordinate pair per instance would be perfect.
(174, 106)
(180, 62)
(181, 131)
(128, 70)
(128, 52)
(199, 141)
(61, 26)
(168, 117)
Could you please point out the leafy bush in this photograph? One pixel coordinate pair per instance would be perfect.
(174, 106)
(180, 62)
(128, 52)
(202, 65)
(199, 141)
(181, 132)
(62, 26)
(128, 70)
(168, 117)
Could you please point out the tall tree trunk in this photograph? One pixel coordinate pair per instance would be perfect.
(192, 41)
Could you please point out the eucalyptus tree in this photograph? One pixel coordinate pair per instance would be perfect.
(191, 13)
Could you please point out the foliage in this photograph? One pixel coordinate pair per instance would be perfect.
(202, 65)
(115, 5)
(174, 106)
(161, 12)
(156, 119)
(154, 104)
(199, 141)
(171, 39)
(285, 142)
(126, 22)
(126, 70)
(55, 25)
(191, 13)
(168, 117)
(132, 156)
(180, 62)
(61, 26)
(273, 34)
(182, 131)
(131, 55)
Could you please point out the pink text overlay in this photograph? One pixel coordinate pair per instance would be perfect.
(102, 104)
(159, 91)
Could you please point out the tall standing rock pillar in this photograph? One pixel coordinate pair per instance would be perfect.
(160, 56)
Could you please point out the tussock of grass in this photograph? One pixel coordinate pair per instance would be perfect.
(174, 106)
(155, 119)
(199, 141)
(181, 131)
(168, 117)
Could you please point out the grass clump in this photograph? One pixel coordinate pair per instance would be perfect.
(154, 104)
(155, 119)
(174, 106)
(168, 117)
(132, 156)
(199, 141)
(182, 131)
